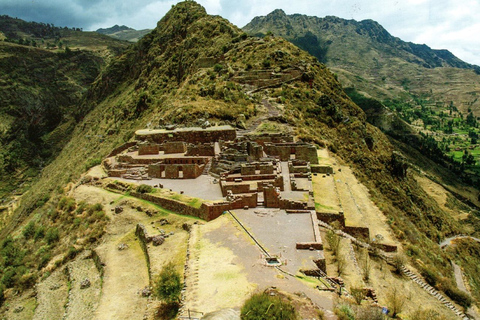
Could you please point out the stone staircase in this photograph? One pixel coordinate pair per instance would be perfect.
(418, 280)
(415, 278)
(206, 170)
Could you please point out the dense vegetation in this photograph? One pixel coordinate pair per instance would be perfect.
(62, 228)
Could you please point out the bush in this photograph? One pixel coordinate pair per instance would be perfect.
(144, 188)
(168, 284)
(262, 306)
(29, 230)
(67, 204)
(399, 261)
(167, 311)
(39, 233)
(430, 276)
(52, 235)
(457, 295)
(358, 294)
(344, 312)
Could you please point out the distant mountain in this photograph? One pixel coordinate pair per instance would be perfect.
(124, 33)
(114, 29)
(365, 56)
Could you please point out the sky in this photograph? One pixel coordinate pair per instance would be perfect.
(440, 24)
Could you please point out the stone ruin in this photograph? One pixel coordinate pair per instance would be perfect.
(244, 166)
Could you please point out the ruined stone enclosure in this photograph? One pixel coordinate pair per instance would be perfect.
(255, 175)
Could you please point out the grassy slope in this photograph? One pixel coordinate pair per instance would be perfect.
(40, 89)
(365, 56)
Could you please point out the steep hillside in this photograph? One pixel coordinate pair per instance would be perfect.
(41, 86)
(432, 91)
(367, 57)
(195, 68)
(124, 33)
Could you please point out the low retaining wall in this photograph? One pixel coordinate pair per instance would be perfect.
(142, 235)
(321, 169)
(358, 232)
(207, 211)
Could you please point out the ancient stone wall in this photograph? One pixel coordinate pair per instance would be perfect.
(292, 204)
(247, 169)
(148, 148)
(358, 232)
(129, 159)
(192, 171)
(253, 177)
(254, 150)
(189, 135)
(172, 171)
(321, 169)
(384, 247)
(141, 233)
(156, 170)
(235, 188)
(265, 168)
(332, 217)
(170, 147)
(117, 173)
(306, 152)
(271, 197)
(203, 149)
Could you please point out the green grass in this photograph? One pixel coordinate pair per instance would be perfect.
(319, 206)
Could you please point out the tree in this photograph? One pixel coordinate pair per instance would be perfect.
(395, 301)
(168, 284)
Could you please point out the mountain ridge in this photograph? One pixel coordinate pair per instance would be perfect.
(430, 57)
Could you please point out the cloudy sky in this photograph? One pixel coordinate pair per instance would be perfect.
(441, 24)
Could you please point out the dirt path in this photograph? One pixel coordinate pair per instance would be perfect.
(52, 294)
(271, 112)
(82, 302)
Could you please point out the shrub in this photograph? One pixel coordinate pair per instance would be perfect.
(29, 230)
(344, 312)
(457, 295)
(395, 301)
(92, 163)
(358, 294)
(430, 276)
(262, 306)
(399, 261)
(39, 233)
(52, 235)
(217, 67)
(167, 311)
(168, 284)
(67, 204)
(428, 314)
(144, 188)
